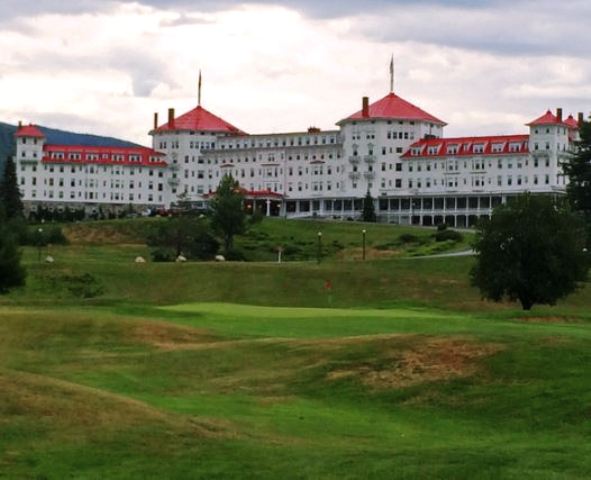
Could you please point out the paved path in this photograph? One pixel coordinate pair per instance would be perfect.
(464, 253)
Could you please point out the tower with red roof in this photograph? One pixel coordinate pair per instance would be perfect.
(377, 136)
(183, 140)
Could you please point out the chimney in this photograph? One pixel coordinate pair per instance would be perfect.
(581, 118)
(155, 120)
(365, 107)
(171, 118)
(559, 114)
(20, 123)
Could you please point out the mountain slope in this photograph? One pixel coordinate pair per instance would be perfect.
(54, 136)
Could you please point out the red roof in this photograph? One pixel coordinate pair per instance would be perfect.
(392, 107)
(547, 119)
(465, 146)
(571, 122)
(29, 131)
(83, 155)
(201, 120)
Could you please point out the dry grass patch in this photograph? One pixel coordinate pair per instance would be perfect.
(430, 360)
(171, 337)
(550, 319)
(72, 410)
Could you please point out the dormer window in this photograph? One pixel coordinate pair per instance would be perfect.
(452, 149)
(479, 148)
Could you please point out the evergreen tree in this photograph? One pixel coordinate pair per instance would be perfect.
(369, 210)
(227, 211)
(12, 274)
(10, 195)
(531, 250)
(578, 169)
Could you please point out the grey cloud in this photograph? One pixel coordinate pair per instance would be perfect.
(524, 29)
(185, 20)
(518, 27)
(146, 71)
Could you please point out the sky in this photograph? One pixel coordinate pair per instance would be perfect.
(105, 66)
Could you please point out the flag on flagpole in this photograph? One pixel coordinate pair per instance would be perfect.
(199, 91)
(392, 74)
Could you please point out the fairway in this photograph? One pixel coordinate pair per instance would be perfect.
(257, 370)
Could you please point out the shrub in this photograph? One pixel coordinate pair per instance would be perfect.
(235, 255)
(163, 254)
(408, 238)
(445, 235)
(441, 227)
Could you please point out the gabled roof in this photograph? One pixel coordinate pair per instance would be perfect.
(572, 122)
(29, 131)
(392, 107)
(201, 120)
(464, 146)
(547, 119)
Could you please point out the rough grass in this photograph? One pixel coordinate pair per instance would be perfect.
(221, 371)
(193, 392)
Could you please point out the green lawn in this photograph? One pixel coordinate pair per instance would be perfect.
(299, 239)
(237, 370)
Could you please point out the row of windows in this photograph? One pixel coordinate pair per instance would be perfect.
(478, 164)
(60, 182)
(501, 181)
(89, 195)
(93, 169)
(285, 142)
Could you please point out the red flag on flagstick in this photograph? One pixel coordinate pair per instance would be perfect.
(328, 285)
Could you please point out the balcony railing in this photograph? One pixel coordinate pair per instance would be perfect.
(369, 158)
(354, 175)
(354, 159)
(369, 175)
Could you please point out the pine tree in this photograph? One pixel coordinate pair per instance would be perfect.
(369, 210)
(227, 211)
(10, 195)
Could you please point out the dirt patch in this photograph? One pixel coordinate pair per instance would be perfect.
(171, 337)
(552, 319)
(425, 361)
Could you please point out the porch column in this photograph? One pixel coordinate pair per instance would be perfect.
(268, 208)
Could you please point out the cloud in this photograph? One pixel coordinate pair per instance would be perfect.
(286, 65)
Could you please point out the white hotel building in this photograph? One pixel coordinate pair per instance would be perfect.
(391, 148)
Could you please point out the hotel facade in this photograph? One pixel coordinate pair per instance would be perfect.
(391, 148)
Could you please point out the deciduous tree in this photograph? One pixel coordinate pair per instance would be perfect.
(531, 250)
(578, 169)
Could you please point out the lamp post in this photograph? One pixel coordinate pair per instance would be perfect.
(319, 254)
(39, 243)
(364, 232)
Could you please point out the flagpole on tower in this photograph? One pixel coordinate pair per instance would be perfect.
(199, 91)
(392, 74)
